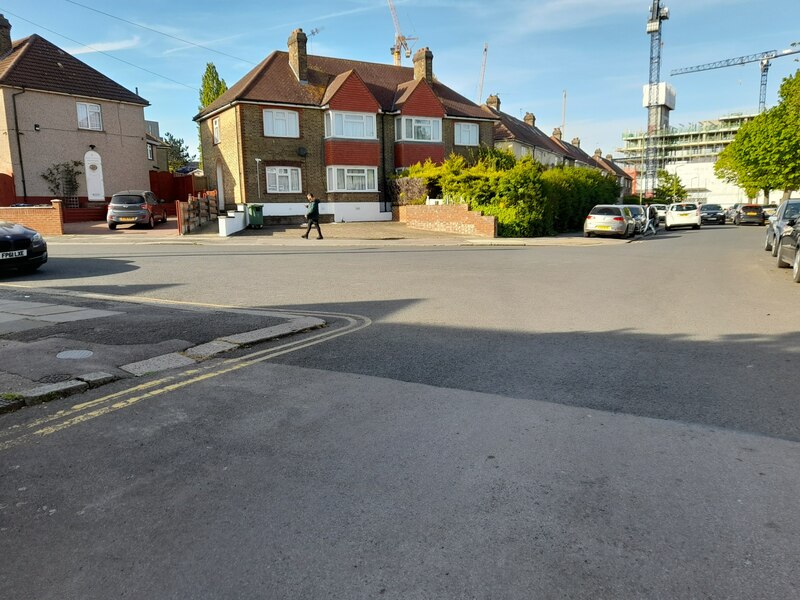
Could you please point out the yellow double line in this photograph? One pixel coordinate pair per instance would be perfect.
(86, 411)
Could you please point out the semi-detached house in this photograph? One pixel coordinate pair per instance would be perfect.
(335, 127)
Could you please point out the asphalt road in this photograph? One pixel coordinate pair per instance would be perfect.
(611, 421)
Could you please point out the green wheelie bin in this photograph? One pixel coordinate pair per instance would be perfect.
(255, 212)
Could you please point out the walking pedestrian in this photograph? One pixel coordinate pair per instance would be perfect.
(312, 215)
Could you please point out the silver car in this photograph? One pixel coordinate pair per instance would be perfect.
(135, 207)
(609, 219)
(789, 209)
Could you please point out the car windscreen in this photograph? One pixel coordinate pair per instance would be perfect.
(710, 207)
(636, 210)
(683, 207)
(751, 208)
(127, 200)
(605, 210)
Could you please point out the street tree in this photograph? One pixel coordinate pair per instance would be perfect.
(177, 152)
(669, 189)
(765, 153)
(212, 86)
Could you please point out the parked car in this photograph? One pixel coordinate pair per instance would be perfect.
(609, 219)
(661, 209)
(137, 207)
(769, 210)
(21, 248)
(639, 218)
(750, 213)
(788, 254)
(712, 213)
(686, 214)
(731, 213)
(788, 210)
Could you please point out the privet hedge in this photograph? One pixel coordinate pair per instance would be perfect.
(527, 199)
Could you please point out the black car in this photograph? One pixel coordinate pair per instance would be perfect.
(21, 248)
(788, 254)
(712, 213)
(750, 213)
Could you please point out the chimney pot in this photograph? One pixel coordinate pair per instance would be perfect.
(493, 101)
(576, 142)
(5, 35)
(298, 58)
(530, 119)
(423, 65)
(557, 133)
(609, 157)
(598, 153)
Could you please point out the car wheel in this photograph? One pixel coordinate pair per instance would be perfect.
(112, 226)
(782, 264)
(767, 241)
(667, 227)
(151, 223)
(775, 243)
(695, 226)
(796, 266)
(587, 234)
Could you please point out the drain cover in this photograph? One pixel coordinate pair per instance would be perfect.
(73, 354)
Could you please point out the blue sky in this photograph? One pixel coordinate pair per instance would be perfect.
(596, 50)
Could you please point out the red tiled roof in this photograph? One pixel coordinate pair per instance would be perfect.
(37, 64)
(274, 81)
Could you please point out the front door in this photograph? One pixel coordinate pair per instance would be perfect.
(93, 166)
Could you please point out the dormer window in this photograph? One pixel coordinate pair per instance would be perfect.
(417, 129)
(350, 125)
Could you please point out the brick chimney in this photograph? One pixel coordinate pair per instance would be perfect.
(576, 142)
(609, 157)
(298, 58)
(5, 35)
(598, 153)
(557, 133)
(423, 65)
(493, 101)
(530, 119)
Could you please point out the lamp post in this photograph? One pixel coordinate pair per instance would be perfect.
(258, 177)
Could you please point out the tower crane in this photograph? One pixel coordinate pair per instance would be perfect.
(400, 41)
(658, 13)
(483, 72)
(764, 58)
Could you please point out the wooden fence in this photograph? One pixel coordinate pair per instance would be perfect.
(196, 212)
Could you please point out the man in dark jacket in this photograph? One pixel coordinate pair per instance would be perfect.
(312, 215)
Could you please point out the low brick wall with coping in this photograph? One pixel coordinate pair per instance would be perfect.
(447, 218)
(47, 219)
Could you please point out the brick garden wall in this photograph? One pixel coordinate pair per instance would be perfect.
(47, 220)
(447, 218)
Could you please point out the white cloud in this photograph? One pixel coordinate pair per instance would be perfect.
(105, 46)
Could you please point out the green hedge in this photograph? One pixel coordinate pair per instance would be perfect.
(527, 200)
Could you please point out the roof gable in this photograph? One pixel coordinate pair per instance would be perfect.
(273, 81)
(416, 98)
(37, 64)
(348, 92)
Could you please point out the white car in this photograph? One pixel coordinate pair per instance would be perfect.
(661, 210)
(686, 214)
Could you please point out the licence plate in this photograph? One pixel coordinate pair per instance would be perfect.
(751, 214)
(127, 218)
(683, 215)
(603, 227)
(13, 254)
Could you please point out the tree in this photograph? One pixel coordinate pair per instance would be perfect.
(212, 86)
(669, 189)
(177, 152)
(765, 154)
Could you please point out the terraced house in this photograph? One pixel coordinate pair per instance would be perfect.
(334, 127)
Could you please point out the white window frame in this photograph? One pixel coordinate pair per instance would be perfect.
(411, 129)
(86, 112)
(215, 128)
(346, 125)
(346, 179)
(150, 152)
(284, 180)
(470, 131)
(281, 123)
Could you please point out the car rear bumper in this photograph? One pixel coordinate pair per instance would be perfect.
(131, 219)
(720, 220)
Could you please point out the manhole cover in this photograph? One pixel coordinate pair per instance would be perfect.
(73, 354)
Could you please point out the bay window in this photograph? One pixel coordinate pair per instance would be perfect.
(352, 179)
(418, 129)
(359, 126)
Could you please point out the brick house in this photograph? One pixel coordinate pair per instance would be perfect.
(54, 109)
(334, 127)
(624, 180)
(522, 137)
